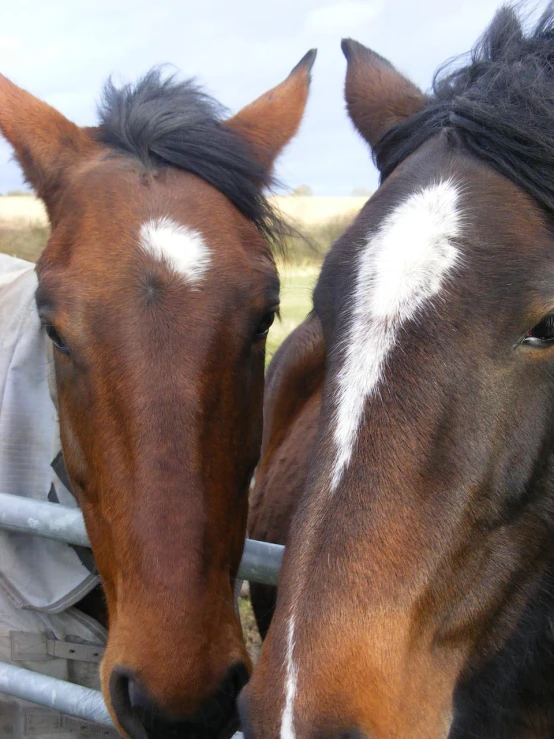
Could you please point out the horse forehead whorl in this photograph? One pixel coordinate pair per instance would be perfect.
(165, 123)
(400, 270)
(181, 249)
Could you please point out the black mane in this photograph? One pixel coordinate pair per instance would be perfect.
(499, 107)
(163, 122)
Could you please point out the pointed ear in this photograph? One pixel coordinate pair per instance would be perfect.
(377, 96)
(271, 121)
(45, 143)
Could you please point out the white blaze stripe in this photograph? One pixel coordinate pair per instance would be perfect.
(180, 248)
(287, 719)
(401, 268)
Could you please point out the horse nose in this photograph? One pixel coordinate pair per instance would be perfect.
(142, 718)
(258, 722)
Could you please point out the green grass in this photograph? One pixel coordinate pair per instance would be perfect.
(297, 282)
(25, 243)
(310, 244)
(298, 270)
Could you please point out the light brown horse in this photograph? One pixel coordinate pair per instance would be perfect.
(416, 598)
(157, 289)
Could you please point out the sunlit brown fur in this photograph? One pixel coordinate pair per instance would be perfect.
(160, 400)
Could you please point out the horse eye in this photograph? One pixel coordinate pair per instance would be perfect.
(542, 334)
(56, 339)
(264, 326)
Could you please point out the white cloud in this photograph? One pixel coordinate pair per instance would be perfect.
(63, 52)
(344, 17)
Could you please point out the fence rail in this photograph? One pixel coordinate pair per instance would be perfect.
(50, 692)
(260, 563)
(59, 695)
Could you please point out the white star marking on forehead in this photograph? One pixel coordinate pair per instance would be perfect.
(180, 248)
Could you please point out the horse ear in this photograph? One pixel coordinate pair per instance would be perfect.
(44, 142)
(271, 121)
(377, 96)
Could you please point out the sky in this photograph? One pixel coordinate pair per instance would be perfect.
(63, 51)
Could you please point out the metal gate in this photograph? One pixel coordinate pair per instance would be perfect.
(260, 563)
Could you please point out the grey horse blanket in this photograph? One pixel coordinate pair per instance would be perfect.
(40, 579)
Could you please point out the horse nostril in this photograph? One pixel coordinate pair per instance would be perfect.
(141, 718)
(235, 679)
(138, 697)
(220, 710)
(126, 697)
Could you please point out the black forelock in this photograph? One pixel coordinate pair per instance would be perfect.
(499, 106)
(163, 122)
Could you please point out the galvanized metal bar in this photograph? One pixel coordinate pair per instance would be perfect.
(50, 692)
(54, 521)
(58, 695)
(260, 562)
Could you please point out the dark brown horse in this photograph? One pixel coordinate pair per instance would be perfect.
(292, 403)
(416, 597)
(157, 289)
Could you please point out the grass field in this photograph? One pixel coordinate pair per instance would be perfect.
(299, 209)
(297, 282)
(25, 242)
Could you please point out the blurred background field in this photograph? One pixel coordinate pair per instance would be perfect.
(297, 282)
(317, 223)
